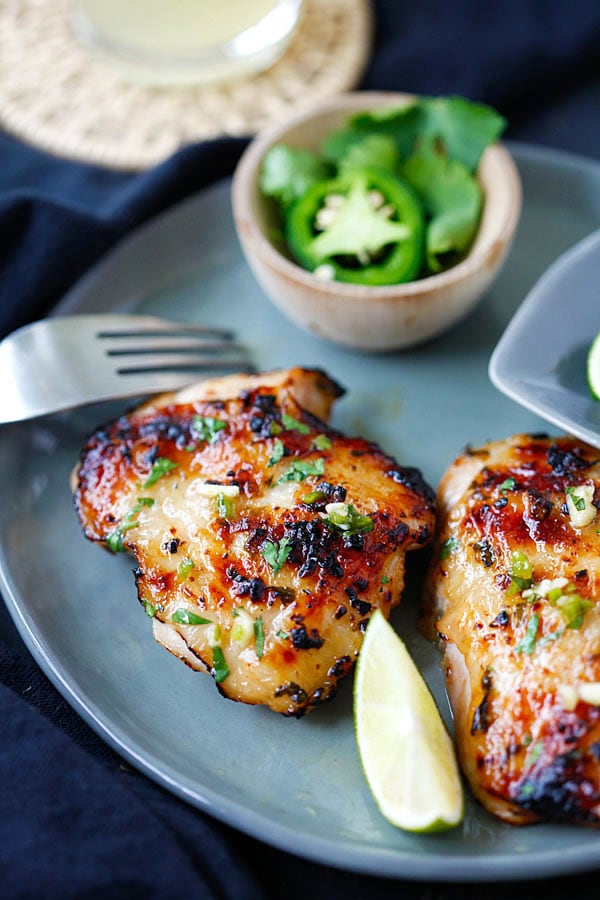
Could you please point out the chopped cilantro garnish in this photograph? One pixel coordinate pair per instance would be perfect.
(314, 497)
(291, 424)
(287, 172)
(348, 520)
(220, 667)
(321, 442)
(535, 751)
(207, 428)
(243, 628)
(435, 144)
(185, 617)
(550, 638)
(259, 636)
(452, 199)
(578, 501)
(573, 608)
(275, 553)
(509, 484)
(520, 572)
(225, 506)
(283, 635)
(527, 645)
(278, 453)
(385, 579)
(114, 541)
(161, 466)
(303, 468)
(449, 546)
(150, 609)
(526, 790)
(143, 502)
(184, 568)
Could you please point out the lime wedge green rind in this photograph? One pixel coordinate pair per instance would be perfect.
(405, 750)
(593, 368)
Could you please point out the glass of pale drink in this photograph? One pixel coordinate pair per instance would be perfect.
(187, 41)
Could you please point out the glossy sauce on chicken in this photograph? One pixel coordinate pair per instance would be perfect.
(264, 540)
(513, 591)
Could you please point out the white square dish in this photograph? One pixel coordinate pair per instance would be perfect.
(540, 360)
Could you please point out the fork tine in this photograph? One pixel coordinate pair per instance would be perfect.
(175, 364)
(67, 361)
(162, 346)
(165, 329)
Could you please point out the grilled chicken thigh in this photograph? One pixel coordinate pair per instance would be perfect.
(513, 590)
(263, 539)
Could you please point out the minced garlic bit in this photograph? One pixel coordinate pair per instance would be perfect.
(213, 635)
(571, 694)
(243, 628)
(204, 489)
(590, 692)
(339, 508)
(544, 587)
(580, 505)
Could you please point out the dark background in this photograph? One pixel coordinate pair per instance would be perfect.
(75, 822)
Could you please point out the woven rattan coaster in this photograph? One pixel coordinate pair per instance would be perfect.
(56, 96)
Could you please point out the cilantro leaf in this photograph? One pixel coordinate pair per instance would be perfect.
(527, 644)
(400, 123)
(287, 172)
(161, 466)
(220, 668)
(292, 424)
(465, 128)
(278, 452)
(259, 637)
(207, 428)
(275, 553)
(185, 617)
(301, 469)
(377, 150)
(321, 442)
(338, 144)
(452, 198)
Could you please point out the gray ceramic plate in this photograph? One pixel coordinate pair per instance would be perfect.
(294, 784)
(540, 360)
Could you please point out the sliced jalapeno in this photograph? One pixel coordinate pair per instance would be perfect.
(367, 226)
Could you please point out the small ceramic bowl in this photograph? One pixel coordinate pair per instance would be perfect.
(363, 317)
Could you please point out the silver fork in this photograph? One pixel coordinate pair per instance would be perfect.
(63, 362)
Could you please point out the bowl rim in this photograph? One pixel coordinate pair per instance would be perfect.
(479, 257)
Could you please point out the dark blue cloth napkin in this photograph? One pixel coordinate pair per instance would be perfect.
(75, 820)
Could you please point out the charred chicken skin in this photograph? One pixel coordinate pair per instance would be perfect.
(513, 590)
(264, 540)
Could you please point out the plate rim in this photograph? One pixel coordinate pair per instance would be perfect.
(388, 863)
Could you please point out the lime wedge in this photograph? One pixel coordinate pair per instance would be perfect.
(593, 368)
(406, 752)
